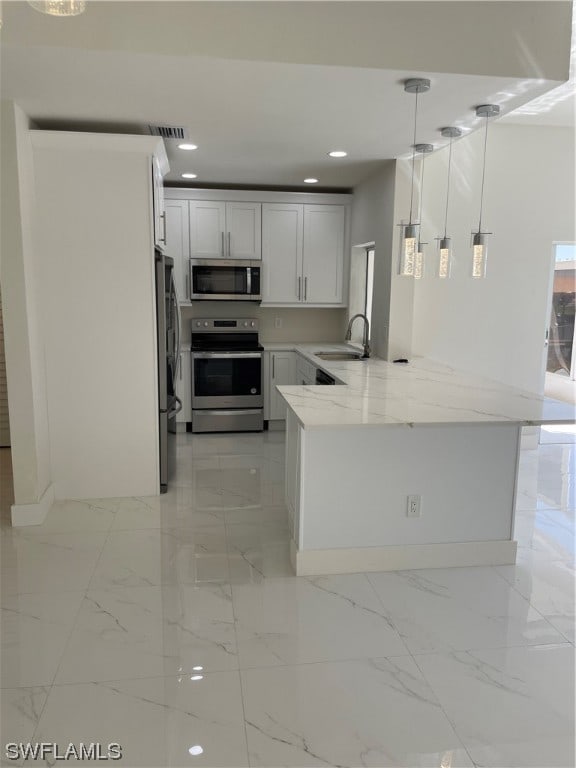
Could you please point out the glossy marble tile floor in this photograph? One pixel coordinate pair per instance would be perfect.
(173, 626)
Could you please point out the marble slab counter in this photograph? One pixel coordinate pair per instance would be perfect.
(376, 392)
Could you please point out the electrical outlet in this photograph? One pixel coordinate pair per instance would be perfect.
(413, 507)
(277, 322)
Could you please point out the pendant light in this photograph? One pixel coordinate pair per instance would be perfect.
(445, 243)
(408, 244)
(423, 149)
(479, 245)
(59, 7)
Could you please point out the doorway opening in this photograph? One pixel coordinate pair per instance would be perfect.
(560, 372)
(561, 360)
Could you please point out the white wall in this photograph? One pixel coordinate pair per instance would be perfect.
(24, 331)
(373, 221)
(95, 264)
(496, 326)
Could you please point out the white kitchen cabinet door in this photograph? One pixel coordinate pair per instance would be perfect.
(305, 371)
(282, 370)
(207, 229)
(282, 238)
(158, 204)
(184, 387)
(178, 245)
(323, 254)
(243, 231)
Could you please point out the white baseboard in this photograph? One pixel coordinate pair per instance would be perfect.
(33, 514)
(317, 562)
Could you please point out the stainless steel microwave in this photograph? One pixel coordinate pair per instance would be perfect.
(225, 280)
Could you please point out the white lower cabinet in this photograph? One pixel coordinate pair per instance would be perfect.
(280, 368)
(184, 387)
(305, 371)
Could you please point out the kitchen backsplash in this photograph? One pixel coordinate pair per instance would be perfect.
(302, 325)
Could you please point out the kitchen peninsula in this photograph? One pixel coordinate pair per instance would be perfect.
(404, 466)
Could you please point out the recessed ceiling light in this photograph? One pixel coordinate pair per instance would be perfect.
(338, 153)
(196, 750)
(310, 181)
(189, 176)
(187, 146)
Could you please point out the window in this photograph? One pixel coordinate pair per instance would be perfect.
(369, 293)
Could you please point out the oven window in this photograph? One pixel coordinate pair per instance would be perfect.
(214, 377)
(207, 280)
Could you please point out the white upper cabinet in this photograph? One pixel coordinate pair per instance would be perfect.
(178, 245)
(323, 254)
(303, 254)
(225, 230)
(207, 229)
(244, 230)
(282, 240)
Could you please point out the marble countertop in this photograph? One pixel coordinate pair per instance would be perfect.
(376, 392)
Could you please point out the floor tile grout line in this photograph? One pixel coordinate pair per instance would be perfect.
(76, 617)
(446, 715)
(37, 724)
(242, 698)
(527, 600)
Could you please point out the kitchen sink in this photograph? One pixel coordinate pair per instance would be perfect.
(339, 356)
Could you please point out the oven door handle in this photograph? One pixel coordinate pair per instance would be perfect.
(225, 355)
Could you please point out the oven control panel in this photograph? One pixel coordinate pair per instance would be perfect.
(209, 325)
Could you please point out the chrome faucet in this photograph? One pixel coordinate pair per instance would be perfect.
(366, 333)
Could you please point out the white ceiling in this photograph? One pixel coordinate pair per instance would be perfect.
(256, 121)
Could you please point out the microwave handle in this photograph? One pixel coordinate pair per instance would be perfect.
(249, 280)
(190, 279)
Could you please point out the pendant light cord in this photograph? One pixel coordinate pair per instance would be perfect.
(448, 189)
(413, 157)
(483, 176)
(421, 193)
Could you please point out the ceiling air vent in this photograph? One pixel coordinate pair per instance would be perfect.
(168, 131)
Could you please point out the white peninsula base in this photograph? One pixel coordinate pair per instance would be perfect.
(347, 492)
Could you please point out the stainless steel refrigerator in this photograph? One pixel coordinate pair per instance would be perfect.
(168, 345)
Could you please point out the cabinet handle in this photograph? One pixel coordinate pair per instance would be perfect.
(305, 288)
(180, 367)
(299, 286)
(229, 248)
(273, 366)
(222, 244)
(163, 217)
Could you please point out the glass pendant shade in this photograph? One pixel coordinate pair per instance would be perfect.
(419, 262)
(445, 261)
(408, 251)
(479, 254)
(59, 7)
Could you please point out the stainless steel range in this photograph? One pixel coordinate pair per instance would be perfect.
(227, 394)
